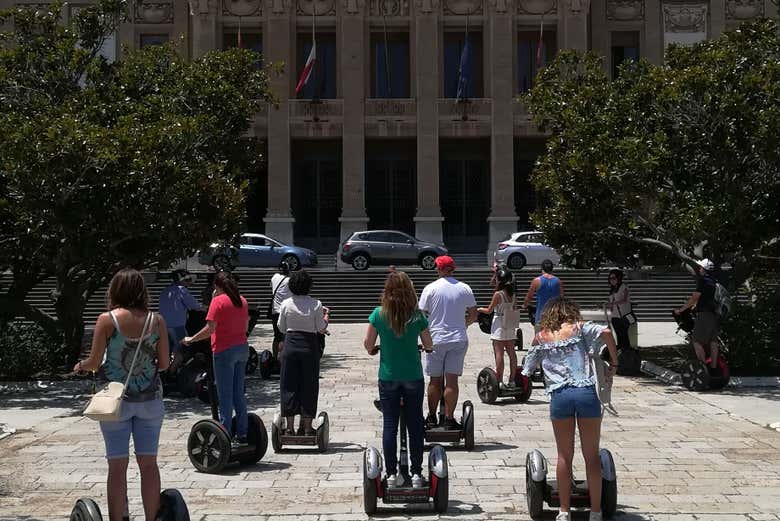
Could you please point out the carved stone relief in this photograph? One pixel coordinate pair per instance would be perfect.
(744, 9)
(279, 6)
(316, 7)
(537, 7)
(153, 13)
(428, 6)
(681, 18)
(578, 6)
(625, 10)
(462, 7)
(242, 7)
(389, 8)
(500, 6)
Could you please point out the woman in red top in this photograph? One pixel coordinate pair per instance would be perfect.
(226, 322)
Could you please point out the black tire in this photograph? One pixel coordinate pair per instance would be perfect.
(276, 438)
(441, 497)
(253, 361)
(323, 433)
(292, 261)
(221, 262)
(516, 261)
(266, 368)
(629, 362)
(526, 395)
(468, 425)
(725, 375)
(534, 494)
(695, 376)
(172, 506)
(360, 261)
(86, 510)
(208, 447)
(428, 261)
(369, 491)
(185, 381)
(609, 493)
(487, 385)
(256, 436)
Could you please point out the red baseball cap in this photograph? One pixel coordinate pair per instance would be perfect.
(444, 262)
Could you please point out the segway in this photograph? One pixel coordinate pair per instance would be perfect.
(209, 447)
(697, 375)
(435, 488)
(320, 439)
(489, 390)
(540, 490)
(629, 360)
(466, 433)
(172, 508)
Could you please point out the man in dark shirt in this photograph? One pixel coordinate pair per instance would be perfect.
(705, 330)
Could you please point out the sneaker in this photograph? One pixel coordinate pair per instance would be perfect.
(563, 516)
(502, 386)
(510, 384)
(395, 481)
(239, 442)
(595, 516)
(300, 432)
(417, 481)
(451, 425)
(431, 422)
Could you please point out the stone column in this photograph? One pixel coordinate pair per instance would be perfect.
(353, 62)
(653, 46)
(277, 44)
(503, 216)
(574, 24)
(601, 39)
(426, 48)
(717, 18)
(204, 26)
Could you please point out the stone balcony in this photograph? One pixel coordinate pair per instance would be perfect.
(316, 119)
(465, 118)
(390, 118)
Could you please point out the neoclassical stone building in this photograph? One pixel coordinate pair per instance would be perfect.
(378, 138)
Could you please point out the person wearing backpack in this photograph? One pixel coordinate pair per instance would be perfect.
(708, 312)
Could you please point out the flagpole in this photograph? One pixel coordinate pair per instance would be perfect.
(388, 82)
(314, 95)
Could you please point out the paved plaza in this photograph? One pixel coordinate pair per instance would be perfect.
(679, 457)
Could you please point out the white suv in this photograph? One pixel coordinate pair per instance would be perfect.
(524, 248)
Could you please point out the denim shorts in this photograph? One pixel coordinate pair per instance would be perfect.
(570, 402)
(141, 419)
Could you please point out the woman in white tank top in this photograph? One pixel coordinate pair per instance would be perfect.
(506, 318)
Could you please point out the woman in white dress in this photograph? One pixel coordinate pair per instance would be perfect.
(506, 319)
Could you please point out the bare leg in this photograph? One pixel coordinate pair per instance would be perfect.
(498, 351)
(434, 394)
(564, 440)
(450, 395)
(306, 423)
(714, 350)
(590, 432)
(117, 488)
(291, 424)
(150, 485)
(509, 347)
(699, 349)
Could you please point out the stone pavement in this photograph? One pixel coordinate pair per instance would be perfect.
(679, 458)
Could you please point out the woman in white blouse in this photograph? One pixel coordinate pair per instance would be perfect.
(619, 305)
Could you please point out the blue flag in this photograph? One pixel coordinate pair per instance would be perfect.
(464, 70)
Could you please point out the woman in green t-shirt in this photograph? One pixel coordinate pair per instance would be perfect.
(398, 323)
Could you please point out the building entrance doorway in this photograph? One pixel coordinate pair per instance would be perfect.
(391, 190)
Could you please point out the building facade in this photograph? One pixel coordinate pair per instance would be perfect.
(399, 126)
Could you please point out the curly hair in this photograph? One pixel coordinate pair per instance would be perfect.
(399, 301)
(300, 282)
(559, 311)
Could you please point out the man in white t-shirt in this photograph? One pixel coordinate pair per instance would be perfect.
(451, 308)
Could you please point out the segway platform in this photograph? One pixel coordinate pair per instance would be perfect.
(172, 508)
(466, 432)
(540, 490)
(489, 390)
(321, 438)
(697, 376)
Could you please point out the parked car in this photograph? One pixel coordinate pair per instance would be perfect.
(524, 248)
(389, 247)
(256, 250)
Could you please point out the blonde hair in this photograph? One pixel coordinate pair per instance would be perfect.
(559, 311)
(399, 301)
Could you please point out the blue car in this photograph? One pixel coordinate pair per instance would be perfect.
(257, 250)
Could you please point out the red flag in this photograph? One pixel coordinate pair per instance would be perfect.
(306, 73)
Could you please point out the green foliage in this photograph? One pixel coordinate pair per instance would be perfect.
(26, 350)
(137, 162)
(752, 330)
(668, 157)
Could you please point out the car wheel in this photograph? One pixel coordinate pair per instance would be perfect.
(360, 261)
(292, 261)
(221, 263)
(428, 261)
(516, 261)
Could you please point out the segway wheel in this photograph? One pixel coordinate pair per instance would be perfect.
(441, 497)
(629, 362)
(534, 494)
(266, 364)
(172, 506)
(253, 361)
(696, 376)
(524, 383)
(257, 437)
(208, 446)
(467, 420)
(323, 432)
(369, 490)
(609, 492)
(86, 510)
(487, 385)
(276, 437)
(725, 375)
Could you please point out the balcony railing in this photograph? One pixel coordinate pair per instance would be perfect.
(381, 108)
(316, 110)
(465, 109)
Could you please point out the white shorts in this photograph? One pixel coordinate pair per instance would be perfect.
(445, 359)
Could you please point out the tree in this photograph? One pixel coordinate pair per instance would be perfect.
(103, 165)
(664, 157)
